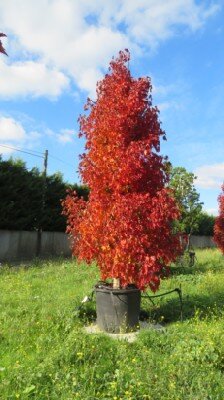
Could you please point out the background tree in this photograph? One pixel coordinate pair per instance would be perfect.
(56, 190)
(21, 198)
(182, 184)
(126, 223)
(205, 224)
(219, 223)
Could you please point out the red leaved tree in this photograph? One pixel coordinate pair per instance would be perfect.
(2, 50)
(219, 223)
(126, 225)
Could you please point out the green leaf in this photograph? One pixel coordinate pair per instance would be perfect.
(29, 389)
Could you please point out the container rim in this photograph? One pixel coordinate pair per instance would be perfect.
(110, 289)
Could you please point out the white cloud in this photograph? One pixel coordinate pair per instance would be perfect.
(30, 78)
(13, 134)
(169, 96)
(153, 21)
(210, 176)
(65, 136)
(11, 130)
(166, 105)
(79, 38)
(162, 90)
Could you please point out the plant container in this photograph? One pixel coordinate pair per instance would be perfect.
(117, 310)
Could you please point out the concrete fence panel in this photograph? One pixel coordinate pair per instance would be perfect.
(202, 241)
(17, 245)
(23, 245)
(55, 243)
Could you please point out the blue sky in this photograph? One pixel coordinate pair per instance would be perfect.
(58, 49)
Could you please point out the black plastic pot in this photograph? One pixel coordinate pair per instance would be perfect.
(117, 309)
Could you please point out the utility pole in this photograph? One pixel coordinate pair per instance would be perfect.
(44, 177)
(40, 226)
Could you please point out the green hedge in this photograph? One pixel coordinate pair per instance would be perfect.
(21, 198)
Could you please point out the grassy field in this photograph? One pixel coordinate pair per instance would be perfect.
(45, 354)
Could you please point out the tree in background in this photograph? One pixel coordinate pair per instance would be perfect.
(205, 224)
(219, 223)
(56, 191)
(182, 184)
(21, 196)
(126, 225)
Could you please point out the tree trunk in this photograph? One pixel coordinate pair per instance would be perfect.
(116, 283)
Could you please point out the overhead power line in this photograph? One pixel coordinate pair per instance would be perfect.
(22, 151)
(39, 154)
(58, 159)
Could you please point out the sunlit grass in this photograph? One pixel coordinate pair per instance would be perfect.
(45, 354)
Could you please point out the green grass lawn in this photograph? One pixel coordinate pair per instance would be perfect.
(45, 354)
